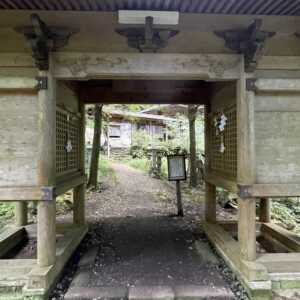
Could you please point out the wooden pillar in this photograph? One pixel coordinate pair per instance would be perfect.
(210, 189)
(265, 210)
(247, 228)
(246, 168)
(79, 192)
(46, 236)
(21, 213)
(210, 203)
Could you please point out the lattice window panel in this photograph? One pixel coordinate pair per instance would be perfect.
(67, 128)
(224, 163)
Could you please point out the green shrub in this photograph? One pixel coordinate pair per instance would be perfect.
(6, 212)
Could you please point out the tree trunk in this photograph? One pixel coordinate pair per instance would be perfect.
(192, 114)
(93, 178)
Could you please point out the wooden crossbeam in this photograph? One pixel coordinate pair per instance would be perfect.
(106, 95)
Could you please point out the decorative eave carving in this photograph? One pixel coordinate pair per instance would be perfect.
(43, 39)
(147, 38)
(250, 42)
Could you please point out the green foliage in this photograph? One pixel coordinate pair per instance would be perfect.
(179, 134)
(142, 164)
(128, 107)
(284, 211)
(287, 213)
(177, 141)
(106, 171)
(140, 144)
(6, 212)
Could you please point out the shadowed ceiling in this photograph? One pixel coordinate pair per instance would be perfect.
(249, 7)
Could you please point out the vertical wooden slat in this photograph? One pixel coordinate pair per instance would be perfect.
(46, 238)
(28, 4)
(66, 4)
(210, 189)
(79, 192)
(264, 6)
(255, 6)
(291, 9)
(93, 4)
(228, 6)
(274, 6)
(10, 4)
(211, 5)
(38, 4)
(75, 4)
(202, 5)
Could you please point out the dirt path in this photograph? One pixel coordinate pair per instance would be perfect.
(138, 243)
(132, 193)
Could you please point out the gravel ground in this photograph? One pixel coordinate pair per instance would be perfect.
(141, 242)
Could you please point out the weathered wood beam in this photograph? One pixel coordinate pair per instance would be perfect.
(287, 238)
(21, 213)
(166, 86)
(21, 193)
(279, 63)
(69, 183)
(17, 83)
(265, 210)
(269, 190)
(220, 181)
(46, 236)
(247, 228)
(108, 96)
(277, 85)
(280, 262)
(146, 66)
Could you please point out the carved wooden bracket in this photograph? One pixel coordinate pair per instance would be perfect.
(147, 38)
(43, 39)
(250, 42)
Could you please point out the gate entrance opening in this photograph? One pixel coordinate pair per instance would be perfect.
(241, 131)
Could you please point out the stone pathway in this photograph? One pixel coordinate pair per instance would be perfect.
(138, 249)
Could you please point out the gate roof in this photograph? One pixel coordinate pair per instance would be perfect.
(239, 7)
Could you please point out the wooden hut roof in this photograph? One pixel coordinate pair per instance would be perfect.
(139, 115)
(238, 7)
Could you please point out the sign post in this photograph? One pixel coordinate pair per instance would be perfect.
(177, 172)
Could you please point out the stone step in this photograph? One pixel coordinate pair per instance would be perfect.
(184, 292)
(99, 293)
(198, 292)
(151, 293)
(291, 294)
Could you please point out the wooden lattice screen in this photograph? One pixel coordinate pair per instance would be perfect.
(224, 163)
(67, 130)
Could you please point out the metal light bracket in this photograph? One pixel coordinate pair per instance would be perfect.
(48, 193)
(147, 38)
(249, 41)
(250, 84)
(244, 191)
(42, 83)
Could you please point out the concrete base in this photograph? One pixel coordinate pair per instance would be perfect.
(24, 279)
(10, 237)
(259, 283)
